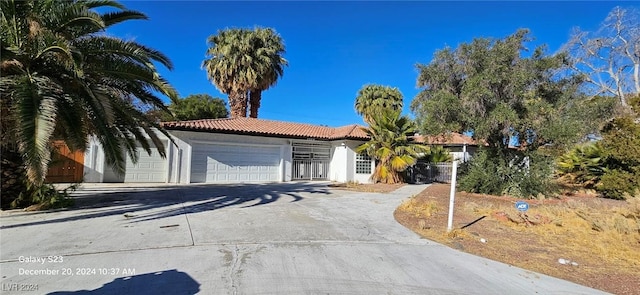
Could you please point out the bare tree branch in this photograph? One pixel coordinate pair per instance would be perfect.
(609, 58)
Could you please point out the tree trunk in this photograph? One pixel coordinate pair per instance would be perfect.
(636, 76)
(254, 102)
(244, 101)
(238, 104)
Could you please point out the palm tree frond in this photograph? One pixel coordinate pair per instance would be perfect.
(36, 110)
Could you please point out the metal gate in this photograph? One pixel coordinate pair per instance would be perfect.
(423, 172)
(311, 160)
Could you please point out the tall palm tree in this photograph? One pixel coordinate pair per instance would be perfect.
(63, 78)
(373, 99)
(243, 63)
(229, 54)
(390, 146)
(269, 49)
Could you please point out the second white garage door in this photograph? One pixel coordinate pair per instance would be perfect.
(150, 168)
(222, 163)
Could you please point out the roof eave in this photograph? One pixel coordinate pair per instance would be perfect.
(248, 133)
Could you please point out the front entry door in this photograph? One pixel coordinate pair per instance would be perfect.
(311, 160)
(66, 166)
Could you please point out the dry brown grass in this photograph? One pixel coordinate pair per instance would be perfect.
(419, 209)
(601, 236)
(366, 187)
(581, 230)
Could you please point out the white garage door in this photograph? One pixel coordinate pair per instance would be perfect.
(150, 168)
(234, 163)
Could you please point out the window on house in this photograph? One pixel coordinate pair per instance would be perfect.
(363, 164)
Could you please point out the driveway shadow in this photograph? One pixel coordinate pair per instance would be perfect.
(162, 282)
(196, 198)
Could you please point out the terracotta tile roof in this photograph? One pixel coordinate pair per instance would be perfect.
(452, 138)
(253, 126)
(350, 131)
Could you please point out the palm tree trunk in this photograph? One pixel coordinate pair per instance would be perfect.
(254, 102)
(238, 104)
(244, 101)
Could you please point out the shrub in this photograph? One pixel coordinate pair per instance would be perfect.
(45, 196)
(524, 175)
(583, 165)
(478, 175)
(621, 141)
(618, 184)
(621, 144)
(536, 180)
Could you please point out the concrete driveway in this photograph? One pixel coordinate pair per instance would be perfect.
(291, 238)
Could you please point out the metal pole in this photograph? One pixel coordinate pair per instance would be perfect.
(452, 194)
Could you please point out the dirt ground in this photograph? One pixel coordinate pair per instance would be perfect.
(591, 241)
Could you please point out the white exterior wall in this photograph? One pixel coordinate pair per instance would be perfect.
(338, 170)
(287, 157)
(343, 162)
(94, 162)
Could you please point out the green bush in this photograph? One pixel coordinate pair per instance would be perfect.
(523, 175)
(621, 141)
(478, 175)
(618, 184)
(537, 180)
(621, 144)
(46, 196)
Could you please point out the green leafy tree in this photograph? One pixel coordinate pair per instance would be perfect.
(489, 87)
(390, 146)
(242, 63)
(63, 78)
(373, 99)
(192, 107)
(199, 106)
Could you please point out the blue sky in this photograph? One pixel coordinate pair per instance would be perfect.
(334, 48)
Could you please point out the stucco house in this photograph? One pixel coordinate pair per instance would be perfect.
(243, 150)
(236, 150)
